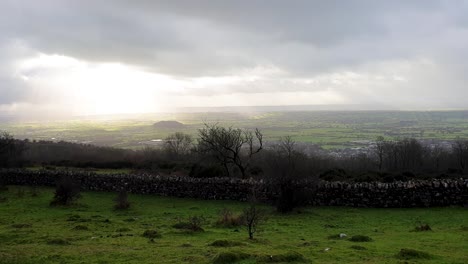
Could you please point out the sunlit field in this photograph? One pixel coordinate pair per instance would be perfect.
(328, 129)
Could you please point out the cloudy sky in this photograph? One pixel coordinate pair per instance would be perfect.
(99, 57)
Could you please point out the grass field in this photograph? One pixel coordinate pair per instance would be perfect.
(93, 232)
(329, 129)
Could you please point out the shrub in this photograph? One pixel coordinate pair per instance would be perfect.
(358, 247)
(66, 192)
(252, 218)
(206, 171)
(228, 219)
(58, 241)
(360, 238)
(226, 243)
(81, 228)
(121, 201)
(193, 224)
(21, 225)
(230, 257)
(282, 258)
(407, 253)
(151, 234)
(422, 228)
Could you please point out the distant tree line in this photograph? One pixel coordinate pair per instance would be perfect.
(232, 152)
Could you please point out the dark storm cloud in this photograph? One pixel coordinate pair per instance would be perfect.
(215, 37)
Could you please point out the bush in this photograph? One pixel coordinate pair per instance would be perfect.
(360, 238)
(151, 234)
(21, 225)
(58, 241)
(206, 171)
(406, 253)
(358, 247)
(226, 243)
(422, 228)
(81, 228)
(228, 219)
(193, 224)
(282, 258)
(230, 257)
(66, 192)
(252, 218)
(121, 201)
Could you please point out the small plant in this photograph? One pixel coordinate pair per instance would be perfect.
(66, 192)
(337, 236)
(81, 228)
(282, 258)
(20, 192)
(21, 225)
(355, 247)
(151, 234)
(422, 228)
(225, 243)
(360, 238)
(193, 224)
(230, 257)
(34, 192)
(252, 218)
(58, 241)
(407, 253)
(121, 201)
(228, 219)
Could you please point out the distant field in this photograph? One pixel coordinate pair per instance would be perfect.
(92, 232)
(329, 129)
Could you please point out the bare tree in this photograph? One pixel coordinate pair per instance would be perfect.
(287, 168)
(178, 144)
(11, 150)
(230, 146)
(379, 151)
(460, 150)
(252, 218)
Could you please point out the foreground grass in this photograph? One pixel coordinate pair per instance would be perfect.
(92, 232)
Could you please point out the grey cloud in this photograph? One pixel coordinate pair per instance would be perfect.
(305, 39)
(217, 37)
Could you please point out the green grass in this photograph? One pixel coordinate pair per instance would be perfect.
(92, 232)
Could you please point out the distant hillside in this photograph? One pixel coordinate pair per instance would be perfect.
(169, 125)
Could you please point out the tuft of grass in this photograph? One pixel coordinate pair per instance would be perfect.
(360, 238)
(282, 258)
(186, 245)
(81, 228)
(226, 243)
(337, 236)
(123, 229)
(406, 253)
(21, 225)
(58, 241)
(356, 247)
(464, 228)
(228, 219)
(230, 257)
(422, 228)
(151, 234)
(193, 224)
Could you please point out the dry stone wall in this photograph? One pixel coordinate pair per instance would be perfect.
(453, 192)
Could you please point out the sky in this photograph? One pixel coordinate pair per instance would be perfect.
(68, 58)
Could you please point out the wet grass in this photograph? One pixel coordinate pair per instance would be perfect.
(93, 232)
